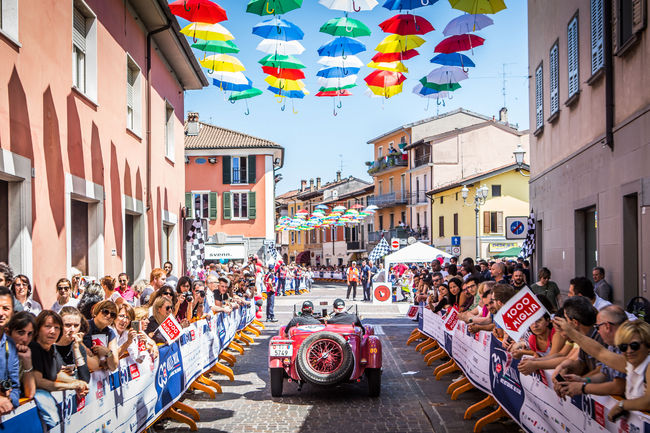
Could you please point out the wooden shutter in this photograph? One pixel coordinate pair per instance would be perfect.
(539, 98)
(79, 30)
(597, 36)
(227, 171)
(441, 226)
(554, 72)
(189, 205)
(499, 222)
(573, 62)
(615, 25)
(212, 206)
(252, 177)
(226, 197)
(130, 81)
(252, 211)
(455, 224)
(638, 15)
(486, 222)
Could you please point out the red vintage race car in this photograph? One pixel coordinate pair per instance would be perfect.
(326, 355)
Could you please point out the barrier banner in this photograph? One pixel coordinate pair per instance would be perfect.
(137, 393)
(521, 311)
(529, 400)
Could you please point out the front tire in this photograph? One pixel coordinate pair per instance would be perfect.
(277, 380)
(374, 381)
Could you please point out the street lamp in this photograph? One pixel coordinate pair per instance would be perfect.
(519, 153)
(480, 197)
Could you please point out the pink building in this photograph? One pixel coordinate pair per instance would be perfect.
(91, 137)
(230, 184)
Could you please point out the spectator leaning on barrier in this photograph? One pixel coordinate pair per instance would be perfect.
(21, 330)
(70, 346)
(64, 295)
(162, 308)
(199, 294)
(100, 338)
(127, 336)
(601, 287)
(141, 314)
(9, 360)
(544, 286)
(469, 297)
(185, 305)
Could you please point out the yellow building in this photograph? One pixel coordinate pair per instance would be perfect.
(507, 196)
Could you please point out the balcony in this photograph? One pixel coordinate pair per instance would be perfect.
(417, 198)
(354, 245)
(421, 160)
(388, 162)
(388, 200)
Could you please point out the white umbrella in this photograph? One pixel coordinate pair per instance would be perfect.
(446, 75)
(341, 62)
(467, 24)
(272, 46)
(437, 95)
(349, 5)
(228, 77)
(337, 81)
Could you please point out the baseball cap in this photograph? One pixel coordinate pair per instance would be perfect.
(307, 306)
(339, 303)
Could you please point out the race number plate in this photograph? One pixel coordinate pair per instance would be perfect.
(281, 349)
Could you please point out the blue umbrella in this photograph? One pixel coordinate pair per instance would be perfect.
(277, 28)
(394, 5)
(341, 46)
(453, 59)
(227, 86)
(337, 72)
(289, 94)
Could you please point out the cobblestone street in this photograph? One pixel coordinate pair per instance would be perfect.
(411, 399)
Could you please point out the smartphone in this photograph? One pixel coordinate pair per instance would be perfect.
(620, 414)
(559, 378)
(135, 324)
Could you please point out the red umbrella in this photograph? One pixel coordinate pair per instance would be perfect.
(198, 11)
(342, 92)
(395, 57)
(454, 44)
(384, 78)
(406, 24)
(288, 74)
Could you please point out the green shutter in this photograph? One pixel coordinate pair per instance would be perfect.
(212, 205)
(226, 161)
(252, 212)
(227, 207)
(251, 169)
(189, 202)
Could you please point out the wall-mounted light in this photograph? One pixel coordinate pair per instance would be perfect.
(212, 160)
(187, 160)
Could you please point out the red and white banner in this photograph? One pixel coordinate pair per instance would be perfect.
(516, 316)
(412, 313)
(170, 329)
(451, 318)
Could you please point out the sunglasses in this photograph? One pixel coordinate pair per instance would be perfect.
(112, 314)
(598, 325)
(635, 345)
(166, 293)
(168, 308)
(124, 281)
(61, 288)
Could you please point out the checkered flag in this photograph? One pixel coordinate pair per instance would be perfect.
(271, 253)
(528, 247)
(379, 251)
(196, 241)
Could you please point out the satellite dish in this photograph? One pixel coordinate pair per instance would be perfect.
(411, 240)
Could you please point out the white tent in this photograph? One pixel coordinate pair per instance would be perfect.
(415, 253)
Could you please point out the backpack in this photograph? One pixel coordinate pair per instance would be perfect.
(640, 307)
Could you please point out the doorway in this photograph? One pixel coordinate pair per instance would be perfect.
(79, 235)
(128, 247)
(4, 221)
(630, 247)
(586, 240)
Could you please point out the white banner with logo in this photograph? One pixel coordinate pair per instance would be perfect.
(521, 311)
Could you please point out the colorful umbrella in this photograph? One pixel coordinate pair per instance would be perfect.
(284, 84)
(272, 7)
(406, 24)
(289, 74)
(389, 66)
(222, 62)
(273, 46)
(335, 88)
(345, 27)
(207, 32)
(321, 206)
(334, 93)
(457, 43)
(277, 28)
(222, 47)
(446, 75)
(281, 61)
(467, 24)
(453, 59)
(245, 94)
(230, 81)
(339, 208)
(198, 11)
(337, 72)
(341, 46)
(288, 93)
(384, 78)
(439, 87)
(349, 5)
(338, 82)
(392, 57)
(386, 92)
(397, 43)
(340, 62)
(394, 5)
(478, 6)
(427, 92)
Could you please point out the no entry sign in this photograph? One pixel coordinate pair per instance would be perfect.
(394, 243)
(382, 293)
(516, 316)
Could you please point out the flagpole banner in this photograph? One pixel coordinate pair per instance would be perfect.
(529, 400)
(137, 393)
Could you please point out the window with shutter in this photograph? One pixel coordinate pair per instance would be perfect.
(539, 98)
(554, 72)
(225, 167)
(441, 226)
(252, 211)
(455, 224)
(169, 131)
(573, 57)
(79, 29)
(227, 207)
(189, 209)
(638, 15)
(486, 222)
(597, 36)
(499, 222)
(212, 200)
(252, 175)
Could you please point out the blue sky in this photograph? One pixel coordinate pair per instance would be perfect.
(315, 141)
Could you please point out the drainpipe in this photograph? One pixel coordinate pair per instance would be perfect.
(148, 103)
(609, 75)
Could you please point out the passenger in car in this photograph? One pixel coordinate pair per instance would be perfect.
(305, 318)
(341, 317)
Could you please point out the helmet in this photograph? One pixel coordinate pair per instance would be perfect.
(307, 307)
(339, 303)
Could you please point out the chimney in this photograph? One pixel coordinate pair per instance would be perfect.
(338, 176)
(192, 124)
(317, 183)
(311, 184)
(503, 115)
(303, 185)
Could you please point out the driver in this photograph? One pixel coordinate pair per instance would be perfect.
(305, 317)
(341, 317)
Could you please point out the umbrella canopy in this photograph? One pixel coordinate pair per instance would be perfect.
(281, 61)
(339, 208)
(337, 72)
(510, 252)
(277, 28)
(389, 66)
(349, 5)
(289, 74)
(467, 24)
(336, 88)
(457, 43)
(340, 62)
(439, 87)
(345, 27)
(293, 94)
(397, 43)
(284, 84)
(245, 94)
(394, 5)
(207, 32)
(453, 59)
(427, 92)
(384, 78)
(406, 24)
(334, 93)
(386, 92)
(221, 47)
(341, 46)
(478, 6)
(222, 62)
(273, 46)
(338, 82)
(446, 75)
(228, 86)
(392, 57)
(198, 11)
(272, 7)
(321, 206)
(229, 77)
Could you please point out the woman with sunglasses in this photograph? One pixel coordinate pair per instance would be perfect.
(166, 292)
(64, 295)
(162, 308)
(128, 338)
(633, 341)
(70, 346)
(100, 338)
(22, 291)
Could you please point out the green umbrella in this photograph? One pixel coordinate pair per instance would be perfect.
(244, 94)
(439, 87)
(281, 61)
(222, 47)
(272, 7)
(510, 252)
(332, 89)
(345, 27)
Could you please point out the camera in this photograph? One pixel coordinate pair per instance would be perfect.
(5, 386)
(189, 297)
(201, 293)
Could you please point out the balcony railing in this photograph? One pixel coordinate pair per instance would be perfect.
(386, 163)
(421, 160)
(417, 198)
(356, 245)
(388, 200)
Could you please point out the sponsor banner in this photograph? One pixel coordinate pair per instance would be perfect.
(137, 393)
(529, 400)
(521, 311)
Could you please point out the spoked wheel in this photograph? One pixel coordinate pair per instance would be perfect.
(325, 358)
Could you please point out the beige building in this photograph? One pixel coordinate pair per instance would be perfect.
(590, 153)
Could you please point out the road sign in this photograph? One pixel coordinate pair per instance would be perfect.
(382, 293)
(455, 251)
(516, 227)
(394, 243)
(455, 241)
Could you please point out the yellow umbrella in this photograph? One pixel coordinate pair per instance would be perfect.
(386, 92)
(222, 63)
(207, 32)
(389, 66)
(478, 6)
(286, 85)
(397, 43)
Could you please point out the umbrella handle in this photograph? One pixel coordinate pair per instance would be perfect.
(334, 112)
(211, 71)
(185, 6)
(283, 107)
(348, 29)
(232, 101)
(267, 8)
(354, 7)
(424, 2)
(339, 105)
(438, 102)
(280, 99)
(247, 112)
(345, 72)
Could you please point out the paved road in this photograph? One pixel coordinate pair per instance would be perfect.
(411, 400)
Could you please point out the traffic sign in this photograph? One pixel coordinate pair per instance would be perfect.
(394, 243)
(455, 241)
(382, 293)
(516, 227)
(455, 251)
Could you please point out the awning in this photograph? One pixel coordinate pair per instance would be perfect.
(510, 252)
(226, 252)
